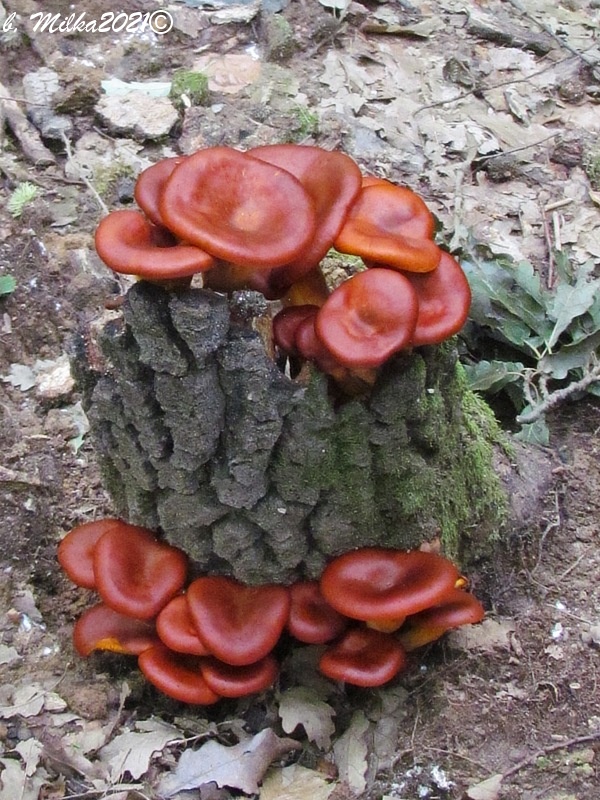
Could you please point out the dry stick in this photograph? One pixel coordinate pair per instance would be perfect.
(492, 86)
(83, 177)
(544, 751)
(518, 149)
(552, 525)
(550, 277)
(557, 397)
(478, 89)
(31, 144)
(561, 42)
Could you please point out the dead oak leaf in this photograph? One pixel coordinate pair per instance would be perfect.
(303, 706)
(239, 767)
(131, 751)
(488, 789)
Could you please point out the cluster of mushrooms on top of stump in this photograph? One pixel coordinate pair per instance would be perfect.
(264, 220)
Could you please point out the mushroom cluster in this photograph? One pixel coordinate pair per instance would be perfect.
(265, 219)
(213, 637)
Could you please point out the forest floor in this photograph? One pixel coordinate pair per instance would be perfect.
(509, 710)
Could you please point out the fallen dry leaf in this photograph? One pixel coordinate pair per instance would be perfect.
(488, 789)
(30, 751)
(486, 637)
(132, 751)
(15, 783)
(295, 783)
(351, 752)
(239, 767)
(31, 700)
(302, 706)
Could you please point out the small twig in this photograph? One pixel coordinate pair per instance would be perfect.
(559, 396)
(32, 146)
(518, 149)
(23, 100)
(570, 569)
(552, 525)
(477, 764)
(482, 88)
(556, 229)
(517, 5)
(528, 387)
(551, 276)
(558, 204)
(564, 610)
(544, 751)
(83, 177)
(107, 792)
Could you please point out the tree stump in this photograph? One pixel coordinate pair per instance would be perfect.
(201, 436)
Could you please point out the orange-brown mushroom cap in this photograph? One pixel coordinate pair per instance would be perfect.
(459, 608)
(150, 184)
(128, 243)
(101, 628)
(76, 551)
(135, 573)
(312, 620)
(177, 675)
(368, 318)
(444, 300)
(238, 208)
(363, 657)
(239, 624)
(390, 225)
(285, 326)
(176, 628)
(382, 586)
(309, 346)
(332, 180)
(229, 681)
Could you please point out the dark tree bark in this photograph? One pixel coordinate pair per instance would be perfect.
(201, 436)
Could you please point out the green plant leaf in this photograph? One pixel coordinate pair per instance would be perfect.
(535, 432)
(570, 357)
(492, 376)
(507, 293)
(529, 280)
(594, 388)
(7, 284)
(594, 312)
(571, 302)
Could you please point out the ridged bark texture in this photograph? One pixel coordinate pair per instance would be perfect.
(201, 436)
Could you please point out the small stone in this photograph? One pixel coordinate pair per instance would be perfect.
(279, 41)
(39, 89)
(8, 654)
(79, 89)
(56, 381)
(592, 636)
(136, 114)
(502, 168)
(568, 150)
(572, 90)
(60, 423)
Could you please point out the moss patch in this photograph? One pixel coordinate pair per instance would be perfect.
(191, 85)
(413, 462)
